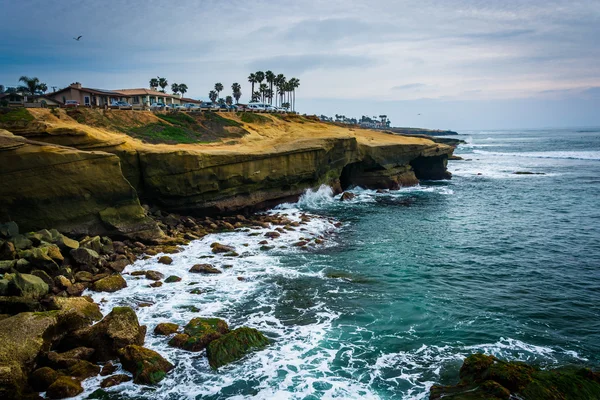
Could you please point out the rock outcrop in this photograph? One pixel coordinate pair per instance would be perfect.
(77, 192)
(488, 378)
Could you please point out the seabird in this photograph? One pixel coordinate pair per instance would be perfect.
(78, 37)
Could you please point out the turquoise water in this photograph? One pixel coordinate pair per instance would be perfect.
(412, 282)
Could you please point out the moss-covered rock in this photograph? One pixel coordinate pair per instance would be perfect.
(26, 285)
(85, 257)
(64, 387)
(488, 378)
(234, 346)
(166, 328)
(118, 329)
(204, 269)
(111, 283)
(83, 369)
(154, 275)
(86, 309)
(199, 332)
(165, 260)
(69, 358)
(147, 366)
(42, 378)
(173, 279)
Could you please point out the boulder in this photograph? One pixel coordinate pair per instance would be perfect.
(9, 229)
(83, 276)
(119, 265)
(43, 275)
(66, 244)
(165, 260)
(83, 369)
(42, 378)
(221, 248)
(488, 378)
(234, 345)
(114, 380)
(166, 328)
(172, 279)
(92, 243)
(156, 284)
(154, 275)
(14, 305)
(7, 251)
(108, 368)
(68, 358)
(199, 332)
(347, 196)
(111, 283)
(204, 269)
(272, 234)
(26, 285)
(62, 282)
(117, 330)
(38, 257)
(53, 252)
(85, 257)
(64, 387)
(147, 366)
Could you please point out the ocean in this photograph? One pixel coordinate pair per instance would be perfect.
(411, 282)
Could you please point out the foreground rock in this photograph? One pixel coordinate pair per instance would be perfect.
(234, 346)
(147, 366)
(118, 329)
(488, 378)
(64, 387)
(199, 332)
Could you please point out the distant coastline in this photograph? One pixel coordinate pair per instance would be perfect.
(422, 131)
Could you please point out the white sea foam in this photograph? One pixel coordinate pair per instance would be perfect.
(570, 155)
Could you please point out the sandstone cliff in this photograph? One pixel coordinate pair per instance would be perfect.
(276, 160)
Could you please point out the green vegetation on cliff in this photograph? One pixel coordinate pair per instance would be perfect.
(11, 115)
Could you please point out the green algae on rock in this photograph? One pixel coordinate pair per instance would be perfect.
(488, 378)
(109, 284)
(64, 387)
(147, 366)
(234, 346)
(199, 332)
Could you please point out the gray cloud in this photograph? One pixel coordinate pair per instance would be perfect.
(409, 86)
(296, 64)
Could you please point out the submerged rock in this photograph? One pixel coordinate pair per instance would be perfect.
(347, 196)
(234, 345)
(204, 269)
(147, 366)
(154, 275)
(488, 378)
(165, 260)
(221, 248)
(172, 279)
(114, 380)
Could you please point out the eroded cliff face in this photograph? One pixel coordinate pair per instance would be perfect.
(276, 161)
(75, 191)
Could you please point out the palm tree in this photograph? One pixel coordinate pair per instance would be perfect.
(32, 85)
(153, 83)
(43, 87)
(229, 100)
(213, 96)
(279, 81)
(260, 76)
(1, 88)
(218, 88)
(237, 91)
(256, 96)
(252, 80)
(263, 91)
(270, 77)
(162, 82)
(175, 88)
(182, 88)
(281, 92)
(294, 83)
(221, 101)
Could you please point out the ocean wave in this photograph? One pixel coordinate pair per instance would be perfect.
(571, 155)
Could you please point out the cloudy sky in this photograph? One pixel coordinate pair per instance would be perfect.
(461, 64)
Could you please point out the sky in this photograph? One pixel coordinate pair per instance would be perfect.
(461, 64)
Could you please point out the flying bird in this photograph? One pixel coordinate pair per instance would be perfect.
(419, 114)
(78, 37)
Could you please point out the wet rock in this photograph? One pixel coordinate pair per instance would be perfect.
(156, 284)
(83, 369)
(204, 269)
(39, 258)
(85, 257)
(272, 235)
(347, 196)
(488, 378)
(69, 358)
(83, 276)
(54, 253)
(301, 243)
(198, 333)
(26, 285)
(165, 260)
(111, 284)
(241, 278)
(147, 366)
(231, 254)
(119, 265)
(76, 289)
(221, 248)
(66, 244)
(196, 291)
(266, 248)
(62, 282)
(9, 229)
(42, 378)
(166, 328)
(172, 279)
(43, 275)
(138, 273)
(7, 266)
(234, 345)
(117, 330)
(154, 275)
(8, 251)
(108, 368)
(64, 387)
(14, 305)
(263, 242)
(114, 380)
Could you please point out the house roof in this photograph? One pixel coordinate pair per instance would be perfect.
(101, 92)
(142, 92)
(188, 100)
